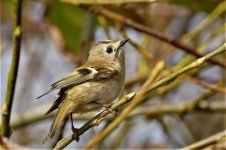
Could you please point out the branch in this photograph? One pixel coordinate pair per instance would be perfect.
(208, 141)
(104, 2)
(191, 66)
(95, 121)
(140, 49)
(12, 75)
(139, 27)
(143, 76)
(139, 97)
(36, 113)
(206, 22)
(8, 144)
(149, 56)
(170, 109)
(206, 85)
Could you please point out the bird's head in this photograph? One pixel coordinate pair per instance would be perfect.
(109, 51)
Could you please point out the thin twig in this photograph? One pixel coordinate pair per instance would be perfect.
(206, 85)
(193, 65)
(192, 79)
(205, 22)
(36, 114)
(207, 142)
(139, 97)
(104, 2)
(12, 75)
(140, 49)
(143, 76)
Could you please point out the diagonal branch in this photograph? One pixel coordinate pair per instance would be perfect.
(191, 66)
(208, 141)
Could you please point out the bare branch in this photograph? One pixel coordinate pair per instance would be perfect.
(220, 137)
(12, 75)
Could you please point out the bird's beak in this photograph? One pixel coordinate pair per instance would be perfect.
(123, 42)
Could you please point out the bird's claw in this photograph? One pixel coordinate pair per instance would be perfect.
(75, 135)
(108, 107)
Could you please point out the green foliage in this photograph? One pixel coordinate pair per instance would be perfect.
(6, 10)
(69, 20)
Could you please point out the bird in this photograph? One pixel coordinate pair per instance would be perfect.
(100, 80)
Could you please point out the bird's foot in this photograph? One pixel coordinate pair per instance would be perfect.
(75, 135)
(108, 107)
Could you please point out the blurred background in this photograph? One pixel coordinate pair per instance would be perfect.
(57, 36)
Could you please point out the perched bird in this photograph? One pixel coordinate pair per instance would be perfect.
(99, 81)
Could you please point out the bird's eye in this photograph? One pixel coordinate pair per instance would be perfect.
(109, 50)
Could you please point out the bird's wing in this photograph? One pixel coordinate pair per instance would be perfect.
(57, 101)
(81, 75)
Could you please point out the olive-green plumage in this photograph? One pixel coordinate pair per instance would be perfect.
(100, 79)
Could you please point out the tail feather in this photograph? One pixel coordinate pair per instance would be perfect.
(58, 119)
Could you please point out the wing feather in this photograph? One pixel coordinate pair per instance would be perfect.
(71, 79)
(82, 75)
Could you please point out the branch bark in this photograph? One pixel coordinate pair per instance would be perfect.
(12, 75)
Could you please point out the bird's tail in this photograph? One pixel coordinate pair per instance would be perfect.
(58, 119)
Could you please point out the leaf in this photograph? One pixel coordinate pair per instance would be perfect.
(69, 20)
